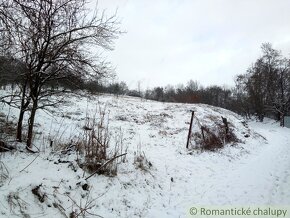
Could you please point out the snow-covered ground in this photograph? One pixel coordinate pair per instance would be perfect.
(255, 172)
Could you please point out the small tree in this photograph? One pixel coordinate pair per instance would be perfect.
(54, 38)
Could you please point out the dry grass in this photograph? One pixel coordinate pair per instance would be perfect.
(7, 128)
(215, 136)
(140, 160)
(7, 133)
(95, 146)
(4, 173)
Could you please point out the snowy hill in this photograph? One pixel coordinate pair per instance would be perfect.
(254, 169)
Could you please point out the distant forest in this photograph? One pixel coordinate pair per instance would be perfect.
(262, 91)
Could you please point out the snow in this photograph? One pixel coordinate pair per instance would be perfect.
(253, 172)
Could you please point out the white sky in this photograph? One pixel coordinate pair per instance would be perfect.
(173, 41)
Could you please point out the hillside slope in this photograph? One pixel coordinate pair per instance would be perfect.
(252, 171)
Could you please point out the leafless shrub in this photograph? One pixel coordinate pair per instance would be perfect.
(215, 137)
(83, 209)
(94, 145)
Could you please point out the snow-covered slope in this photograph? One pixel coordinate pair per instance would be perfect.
(253, 172)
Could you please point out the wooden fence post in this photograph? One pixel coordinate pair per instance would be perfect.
(189, 131)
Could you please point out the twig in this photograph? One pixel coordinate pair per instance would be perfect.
(4, 148)
(105, 164)
(87, 207)
(61, 209)
(4, 166)
(29, 163)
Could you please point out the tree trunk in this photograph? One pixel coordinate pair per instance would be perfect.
(31, 123)
(282, 123)
(19, 125)
(23, 107)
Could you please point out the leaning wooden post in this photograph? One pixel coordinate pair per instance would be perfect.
(189, 131)
(225, 121)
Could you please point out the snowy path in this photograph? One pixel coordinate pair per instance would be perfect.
(272, 165)
(259, 177)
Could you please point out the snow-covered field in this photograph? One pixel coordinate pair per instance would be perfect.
(255, 172)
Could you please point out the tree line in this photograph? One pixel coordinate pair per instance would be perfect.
(262, 91)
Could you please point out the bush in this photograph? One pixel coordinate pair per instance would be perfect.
(216, 136)
(94, 147)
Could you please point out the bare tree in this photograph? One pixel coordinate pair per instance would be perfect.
(256, 87)
(267, 84)
(281, 101)
(54, 38)
(240, 100)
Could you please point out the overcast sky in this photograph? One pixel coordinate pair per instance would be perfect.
(211, 41)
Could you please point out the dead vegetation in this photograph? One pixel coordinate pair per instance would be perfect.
(7, 131)
(15, 202)
(83, 209)
(95, 145)
(140, 160)
(216, 135)
(6, 127)
(4, 173)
